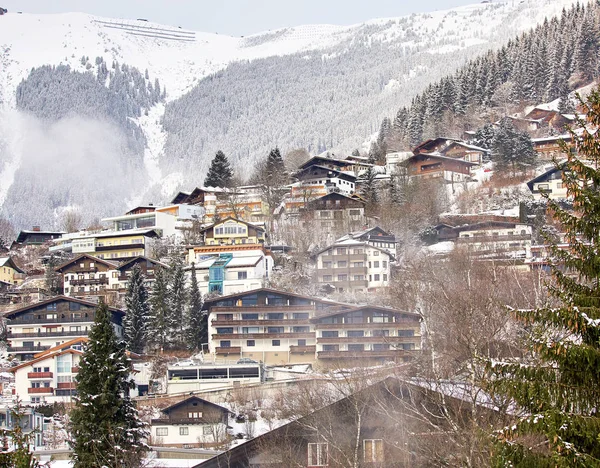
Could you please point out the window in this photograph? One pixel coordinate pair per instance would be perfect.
(341, 251)
(274, 329)
(359, 277)
(381, 346)
(242, 275)
(342, 264)
(376, 253)
(225, 344)
(407, 346)
(355, 333)
(373, 450)
(51, 306)
(384, 263)
(301, 342)
(317, 455)
(301, 329)
(406, 333)
(380, 317)
(356, 347)
(300, 316)
(74, 306)
(162, 431)
(376, 264)
(184, 431)
(342, 277)
(195, 415)
(329, 334)
(275, 316)
(376, 277)
(250, 343)
(326, 264)
(327, 278)
(276, 343)
(206, 430)
(385, 277)
(331, 347)
(225, 331)
(358, 264)
(358, 251)
(115, 274)
(381, 333)
(249, 316)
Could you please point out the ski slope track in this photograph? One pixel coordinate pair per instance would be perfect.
(181, 59)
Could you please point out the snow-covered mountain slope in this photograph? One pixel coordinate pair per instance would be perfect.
(398, 57)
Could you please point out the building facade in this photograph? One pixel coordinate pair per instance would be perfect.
(9, 271)
(90, 278)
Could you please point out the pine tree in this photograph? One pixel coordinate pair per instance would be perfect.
(136, 305)
(52, 279)
(105, 428)
(368, 188)
(511, 148)
(177, 303)
(272, 176)
(158, 329)
(220, 173)
(196, 331)
(558, 388)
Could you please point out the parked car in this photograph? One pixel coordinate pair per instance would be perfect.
(246, 360)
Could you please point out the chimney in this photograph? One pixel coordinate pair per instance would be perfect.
(36, 229)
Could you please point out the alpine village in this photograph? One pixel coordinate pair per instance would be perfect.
(429, 299)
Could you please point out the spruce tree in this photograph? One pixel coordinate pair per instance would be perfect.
(105, 428)
(511, 148)
(136, 305)
(558, 387)
(220, 173)
(158, 330)
(196, 331)
(177, 303)
(52, 279)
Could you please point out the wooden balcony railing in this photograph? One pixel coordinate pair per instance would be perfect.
(262, 322)
(303, 349)
(27, 349)
(260, 336)
(67, 385)
(37, 390)
(391, 353)
(230, 350)
(48, 334)
(40, 375)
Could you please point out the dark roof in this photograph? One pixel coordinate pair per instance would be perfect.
(271, 291)
(23, 235)
(334, 195)
(432, 143)
(317, 159)
(180, 197)
(9, 262)
(13, 313)
(543, 177)
(95, 259)
(142, 207)
(140, 257)
(195, 398)
(337, 173)
(349, 308)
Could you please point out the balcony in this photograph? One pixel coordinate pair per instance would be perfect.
(347, 284)
(369, 339)
(74, 370)
(367, 325)
(40, 375)
(27, 349)
(43, 390)
(263, 308)
(389, 353)
(67, 385)
(491, 239)
(48, 334)
(85, 269)
(34, 320)
(303, 349)
(230, 350)
(177, 421)
(104, 248)
(263, 322)
(146, 277)
(260, 336)
(88, 281)
(350, 257)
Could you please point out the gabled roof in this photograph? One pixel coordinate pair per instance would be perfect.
(336, 173)
(544, 176)
(142, 207)
(25, 233)
(231, 218)
(363, 232)
(63, 346)
(138, 258)
(334, 195)
(347, 308)
(9, 263)
(271, 291)
(193, 398)
(464, 145)
(317, 160)
(44, 357)
(107, 263)
(28, 307)
(353, 243)
(432, 143)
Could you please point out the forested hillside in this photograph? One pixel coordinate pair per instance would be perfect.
(541, 66)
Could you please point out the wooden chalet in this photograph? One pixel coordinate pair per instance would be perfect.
(192, 422)
(141, 210)
(232, 231)
(549, 184)
(435, 165)
(549, 148)
(465, 151)
(88, 277)
(36, 236)
(10, 272)
(147, 266)
(434, 145)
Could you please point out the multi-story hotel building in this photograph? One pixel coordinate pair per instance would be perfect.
(278, 327)
(40, 326)
(91, 278)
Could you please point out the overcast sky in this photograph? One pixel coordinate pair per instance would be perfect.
(237, 17)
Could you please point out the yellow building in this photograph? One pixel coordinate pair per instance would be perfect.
(10, 272)
(232, 231)
(117, 245)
